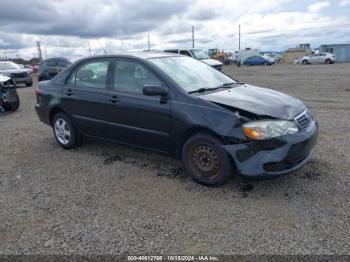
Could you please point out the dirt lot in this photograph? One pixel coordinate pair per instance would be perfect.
(102, 198)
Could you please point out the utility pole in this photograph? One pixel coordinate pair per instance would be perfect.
(39, 51)
(192, 36)
(239, 37)
(149, 44)
(45, 52)
(89, 48)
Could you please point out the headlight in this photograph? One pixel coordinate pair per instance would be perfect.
(265, 129)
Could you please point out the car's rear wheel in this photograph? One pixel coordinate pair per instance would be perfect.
(13, 106)
(205, 160)
(64, 131)
(30, 83)
(305, 62)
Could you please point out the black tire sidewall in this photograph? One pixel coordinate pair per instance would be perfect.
(13, 106)
(73, 138)
(226, 167)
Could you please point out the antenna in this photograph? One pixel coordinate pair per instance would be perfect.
(149, 44)
(104, 50)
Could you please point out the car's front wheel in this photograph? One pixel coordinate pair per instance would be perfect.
(205, 160)
(64, 131)
(328, 61)
(305, 62)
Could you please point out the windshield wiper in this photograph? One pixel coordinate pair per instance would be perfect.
(203, 89)
(229, 84)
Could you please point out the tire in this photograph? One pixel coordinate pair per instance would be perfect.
(64, 131)
(305, 62)
(205, 160)
(29, 83)
(13, 106)
(328, 61)
(265, 64)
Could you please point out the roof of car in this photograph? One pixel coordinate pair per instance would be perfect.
(143, 55)
(56, 58)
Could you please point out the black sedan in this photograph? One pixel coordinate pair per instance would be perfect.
(177, 105)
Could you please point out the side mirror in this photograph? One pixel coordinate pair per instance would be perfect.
(155, 90)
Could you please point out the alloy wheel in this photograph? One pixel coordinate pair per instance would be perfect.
(62, 131)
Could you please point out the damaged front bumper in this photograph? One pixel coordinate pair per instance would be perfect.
(274, 157)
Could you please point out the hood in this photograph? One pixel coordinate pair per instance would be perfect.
(4, 78)
(211, 62)
(259, 101)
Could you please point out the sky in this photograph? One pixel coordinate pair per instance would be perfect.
(68, 27)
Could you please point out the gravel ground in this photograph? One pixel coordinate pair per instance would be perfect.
(102, 198)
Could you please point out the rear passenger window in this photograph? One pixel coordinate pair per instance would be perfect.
(130, 77)
(92, 75)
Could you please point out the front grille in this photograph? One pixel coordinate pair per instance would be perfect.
(19, 75)
(304, 119)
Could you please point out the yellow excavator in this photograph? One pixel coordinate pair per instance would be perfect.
(223, 57)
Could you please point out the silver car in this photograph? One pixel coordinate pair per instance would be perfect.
(326, 58)
(18, 74)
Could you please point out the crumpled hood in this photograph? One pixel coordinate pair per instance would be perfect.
(259, 101)
(211, 62)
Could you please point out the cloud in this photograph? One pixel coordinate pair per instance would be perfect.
(344, 3)
(315, 8)
(65, 27)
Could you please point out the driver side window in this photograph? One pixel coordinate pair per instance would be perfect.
(130, 77)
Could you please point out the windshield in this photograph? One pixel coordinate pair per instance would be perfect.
(191, 74)
(8, 65)
(199, 54)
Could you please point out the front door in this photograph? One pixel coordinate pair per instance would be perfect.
(85, 96)
(135, 118)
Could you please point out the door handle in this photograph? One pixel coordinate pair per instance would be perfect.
(69, 92)
(114, 99)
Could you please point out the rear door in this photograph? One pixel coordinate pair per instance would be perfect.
(85, 96)
(134, 118)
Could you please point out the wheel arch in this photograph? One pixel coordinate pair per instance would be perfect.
(54, 111)
(191, 132)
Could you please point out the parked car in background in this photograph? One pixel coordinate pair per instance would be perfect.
(182, 107)
(320, 57)
(51, 67)
(258, 60)
(243, 54)
(9, 99)
(198, 54)
(17, 73)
